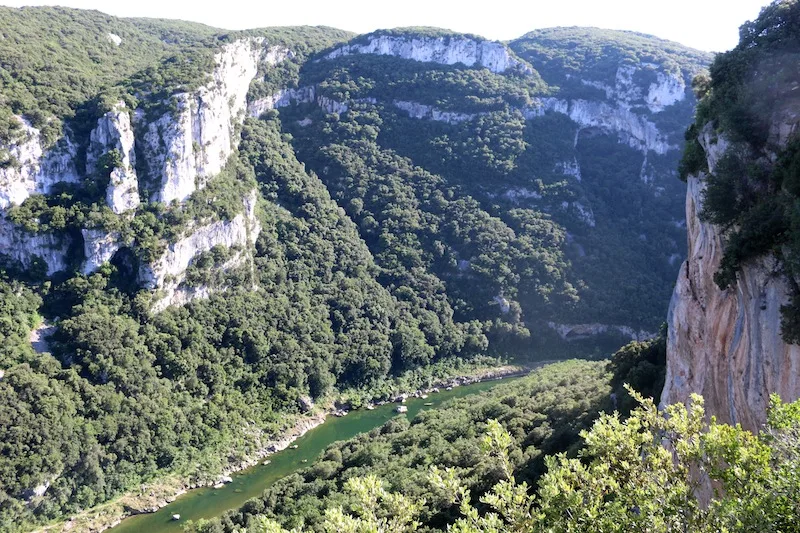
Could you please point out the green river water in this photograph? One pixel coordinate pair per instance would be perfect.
(247, 484)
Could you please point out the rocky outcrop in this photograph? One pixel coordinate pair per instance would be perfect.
(727, 344)
(518, 194)
(187, 147)
(169, 271)
(27, 248)
(569, 168)
(429, 112)
(668, 89)
(98, 248)
(632, 128)
(282, 98)
(574, 332)
(580, 211)
(302, 95)
(33, 168)
(503, 303)
(491, 55)
(114, 133)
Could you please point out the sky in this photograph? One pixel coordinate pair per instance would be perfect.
(710, 25)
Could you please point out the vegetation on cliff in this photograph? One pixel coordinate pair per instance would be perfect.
(753, 193)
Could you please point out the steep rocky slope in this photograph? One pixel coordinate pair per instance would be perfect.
(522, 145)
(732, 326)
(726, 344)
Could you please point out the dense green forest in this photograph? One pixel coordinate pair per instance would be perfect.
(392, 249)
(538, 455)
(505, 163)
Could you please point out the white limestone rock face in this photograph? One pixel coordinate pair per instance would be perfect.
(194, 144)
(331, 106)
(98, 248)
(618, 112)
(518, 194)
(282, 98)
(491, 55)
(503, 303)
(35, 170)
(302, 95)
(580, 211)
(169, 271)
(668, 89)
(19, 245)
(574, 332)
(429, 112)
(569, 168)
(114, 132)
(632, 128)
(727, 344)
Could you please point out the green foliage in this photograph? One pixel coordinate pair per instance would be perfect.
(56, 59)
(565, 56)
(451, 87)
(389, 252)
(640, 474)
(543, 413)
(752, 193)
(642, 366)
(490, 149)
(418, 229)
(693, 159)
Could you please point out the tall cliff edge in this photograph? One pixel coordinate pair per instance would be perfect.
(733, 319)
(726, 344)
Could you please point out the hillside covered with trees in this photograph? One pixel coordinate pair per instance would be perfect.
(371, 220)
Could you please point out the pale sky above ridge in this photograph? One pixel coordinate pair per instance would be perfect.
(710, 25)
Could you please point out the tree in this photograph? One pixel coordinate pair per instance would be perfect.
(643, 474)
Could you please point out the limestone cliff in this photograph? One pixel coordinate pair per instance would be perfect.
(34, 168)
(443, 50)
(181, 151)
(98, 247)
(185, 148)
(114, 132)
(615, 117)
(168, 273)
(27, 249)
(727, 344)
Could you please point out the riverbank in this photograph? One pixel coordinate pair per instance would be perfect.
(486, 374)
(153, 496)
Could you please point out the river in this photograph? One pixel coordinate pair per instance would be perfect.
(209, 502)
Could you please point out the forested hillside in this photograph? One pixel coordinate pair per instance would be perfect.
(203, 233)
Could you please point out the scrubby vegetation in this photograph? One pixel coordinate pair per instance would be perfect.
(638, 474)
